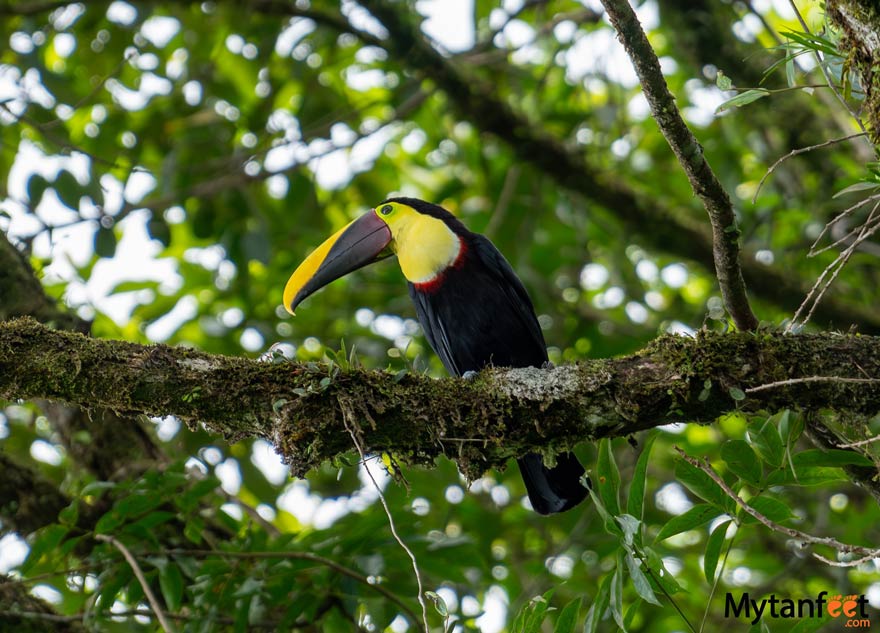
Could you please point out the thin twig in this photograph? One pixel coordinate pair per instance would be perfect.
(870, 440)
(796, 381)
(348, 417)
(801, 150)
(805, 538)
(725, 234)
(847, 563)
(253, 513)
(510, 181)
(814, 296)
(139, 574)
(840, 216)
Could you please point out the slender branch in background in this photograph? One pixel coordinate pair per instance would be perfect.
(801, 150)
(511, 179)
(139, 574)
(62, 144)
(725, 235)
(26, 9)
(350, 421)
(803, 537)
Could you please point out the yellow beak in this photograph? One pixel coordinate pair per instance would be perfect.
(355, 245)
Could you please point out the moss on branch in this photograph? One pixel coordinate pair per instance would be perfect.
(859, 23)
(478, 423)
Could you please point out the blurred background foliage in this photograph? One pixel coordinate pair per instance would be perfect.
(166, 165)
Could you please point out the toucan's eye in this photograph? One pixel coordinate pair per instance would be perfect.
(386, 209)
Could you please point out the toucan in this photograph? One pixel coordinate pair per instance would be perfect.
(472, 307)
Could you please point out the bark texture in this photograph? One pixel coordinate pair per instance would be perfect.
(304, 408)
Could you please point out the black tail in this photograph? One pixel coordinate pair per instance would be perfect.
(554, 489)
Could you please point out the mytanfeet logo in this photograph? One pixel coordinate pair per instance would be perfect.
(850, 610)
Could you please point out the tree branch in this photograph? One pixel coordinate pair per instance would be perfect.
(725, 234)
(859, 21)
(479, 424)
(28, 501)
(22, 294)
(23, 613)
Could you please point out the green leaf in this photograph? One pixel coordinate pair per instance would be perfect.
(742, 461)
(743, 98)
(109, 522)
(69, 515)
(635, 502)
(791, 427)
(702, 485)
(806, 476)
(610, 524)
(813, 42)
(567, 619)
(615, 601)
(134, 286)
(171, 584)
(193, 529)
(832, 457)
(105, 242)
(695, 517)
(44, 542)
(68, 189)
(538, 606)
(723, 81)
(713, 550)
(772, 508)
(857, 187)
(609, 478)
(439, 603)
(764, 438)
(36, 187)
(640, 580)
(137, 504)
(630, 526)
(599, 606)
(737, 394)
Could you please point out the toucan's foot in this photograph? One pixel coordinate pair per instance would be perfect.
(548, 365)
(470, 374)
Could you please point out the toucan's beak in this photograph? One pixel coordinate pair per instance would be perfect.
(361, 242)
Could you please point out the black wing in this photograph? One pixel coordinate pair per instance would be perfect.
(435, 330)
(518, 299)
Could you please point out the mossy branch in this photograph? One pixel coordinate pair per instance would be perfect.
(479, 423)
(689, 152)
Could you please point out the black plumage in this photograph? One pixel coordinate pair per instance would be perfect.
(478, 313)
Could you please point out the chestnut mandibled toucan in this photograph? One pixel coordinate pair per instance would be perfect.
(472, 307)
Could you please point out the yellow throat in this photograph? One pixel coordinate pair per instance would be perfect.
(425, 246)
